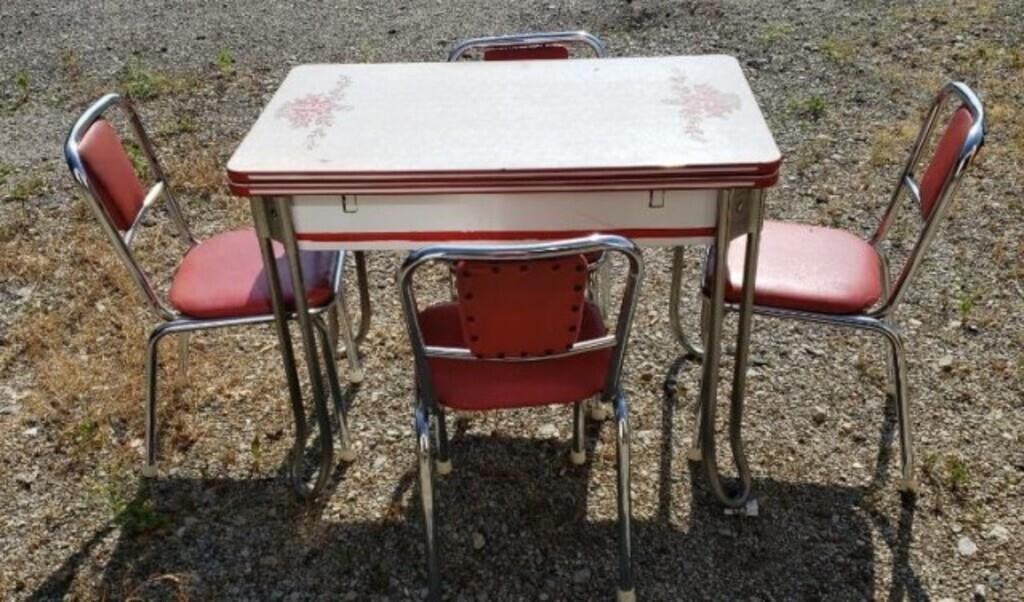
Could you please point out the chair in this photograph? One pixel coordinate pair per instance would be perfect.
(529, 46)
(219, 282)
(520, 334)
(832, 277)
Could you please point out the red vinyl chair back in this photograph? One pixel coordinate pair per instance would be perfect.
(521, 308)
(116, 185)
(527, 53)
(99, 162)
(944, 161)
(961, 139)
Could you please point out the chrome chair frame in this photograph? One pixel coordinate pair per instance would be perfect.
(527, 40)
(426, 405)
(175, 323)
(880, 318)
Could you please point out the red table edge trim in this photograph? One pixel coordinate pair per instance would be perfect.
(735, 169)
(471, 235)
(396, 188)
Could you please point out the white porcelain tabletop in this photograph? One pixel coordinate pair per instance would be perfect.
(616, 123)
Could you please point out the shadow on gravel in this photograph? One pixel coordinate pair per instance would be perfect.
(513, 522)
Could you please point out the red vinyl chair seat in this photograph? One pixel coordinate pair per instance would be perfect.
(489, 385)
(222, 277)
(807, 268)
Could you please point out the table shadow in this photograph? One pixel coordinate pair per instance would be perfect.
(513, 523)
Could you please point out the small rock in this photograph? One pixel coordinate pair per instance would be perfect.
(581, 576)
(478, 540)
(547, 430)
(966, 547)
(979, 592)
(914, 322)
(31, 431)
(26, 479)
(379, 462)
(945, 363)
(999, 533)
(820, 414)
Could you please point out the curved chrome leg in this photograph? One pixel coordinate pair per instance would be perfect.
(908, 482)
(694, 454)
(362, 283)
(709, 380)
(340, 313)
(444, 459)
(426, 477)
(578, 453)
(340, 411)
(149, 466)
(626, 587)
(673, 305)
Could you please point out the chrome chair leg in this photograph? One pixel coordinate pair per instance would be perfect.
(578, 453)
(444, 459)
(362, 283)
(149, 467)
(626, 589)
(693, 454)
(426, 477)
(673, 306)
(339, 313)
(183, 359)
(908, 483)
(331, 374)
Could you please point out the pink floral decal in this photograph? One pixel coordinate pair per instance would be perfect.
(699, 101)
(315, 111)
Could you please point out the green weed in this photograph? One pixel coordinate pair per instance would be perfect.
(25, 189)
(22, 82)
(225, 62)
(774, 32)
(838, 51)
(813, 106)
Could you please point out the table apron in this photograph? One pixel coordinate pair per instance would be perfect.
(368, 222)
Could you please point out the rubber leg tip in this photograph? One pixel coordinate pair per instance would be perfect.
(578, 457)
(625, 596)
(694, 454)
(149, 471)
(909, 486)
(347, 455)
(355, 376)
(444, 467)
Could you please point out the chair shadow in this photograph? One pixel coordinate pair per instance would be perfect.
(513, 522)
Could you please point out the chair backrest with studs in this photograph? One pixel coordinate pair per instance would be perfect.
(521, 308)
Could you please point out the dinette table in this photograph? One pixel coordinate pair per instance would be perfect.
(668, 151)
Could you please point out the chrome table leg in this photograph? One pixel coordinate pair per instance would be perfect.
(261, 211)
(729, 203)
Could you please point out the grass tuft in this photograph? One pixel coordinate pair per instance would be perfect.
(837, 50)
(25, 189)
(225, 62)
(813, 106)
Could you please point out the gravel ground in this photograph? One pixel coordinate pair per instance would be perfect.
(842, 87)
